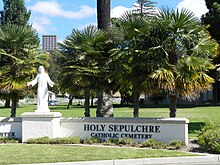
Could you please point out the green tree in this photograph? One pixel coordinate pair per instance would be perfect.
(14, 12)
(212, 19)
(21, 44)
(189, 49)
(145, 8)
(133, 64)
(86, 53)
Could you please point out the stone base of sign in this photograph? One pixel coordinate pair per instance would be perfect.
(35, 125)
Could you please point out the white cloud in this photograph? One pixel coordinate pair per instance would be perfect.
(39, 27)
(54, 9)
(41, 23)
(118, 11)
(197, 6)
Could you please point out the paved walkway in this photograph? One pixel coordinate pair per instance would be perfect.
(194, 160)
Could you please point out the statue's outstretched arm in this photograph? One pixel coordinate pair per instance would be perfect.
(33, 82)
(51, 83)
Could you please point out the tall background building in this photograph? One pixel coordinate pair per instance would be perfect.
(49, 42)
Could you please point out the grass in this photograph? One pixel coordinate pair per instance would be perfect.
(198, 116)
(26, 153)
(30, 153)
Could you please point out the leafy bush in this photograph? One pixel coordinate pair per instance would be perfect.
(127, 141)
(173, 145)
(209, 138)
(8, 140)
(151, 143)
(47, 140)
(123, 141)
(93, 140)
(111, 142)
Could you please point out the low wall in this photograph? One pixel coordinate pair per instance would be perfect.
(139, 129)
(11, 127)
(34, 125)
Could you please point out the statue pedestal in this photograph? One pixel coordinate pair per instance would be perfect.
(36, 125)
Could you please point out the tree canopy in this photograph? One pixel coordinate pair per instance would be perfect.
(19, 56)
(14, 12)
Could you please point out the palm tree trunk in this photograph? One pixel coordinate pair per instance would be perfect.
(104, 107)
(70, 101)
(103, 14)
(87, 107)
(136, 96)
(173, 102)
(92, 100)
(13, 107)
(7, 103)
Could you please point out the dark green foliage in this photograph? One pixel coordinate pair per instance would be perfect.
(122, 141)
(14, 12)
(127, 141)
(154, 144)
(47, 140)
(175, 144)
(212, 18)
(111, 142)
(209, 138)
(8, 140)
(93, 140)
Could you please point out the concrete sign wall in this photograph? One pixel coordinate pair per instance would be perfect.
(35, 125)
(11, 127)
(139, 129)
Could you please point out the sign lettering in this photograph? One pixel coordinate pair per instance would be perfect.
(121, 131)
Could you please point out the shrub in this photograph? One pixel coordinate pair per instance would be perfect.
(47, 140)
(8, 140)
(93, 140)
(175, 144)
(42, 140)
(111, 142)
(209, 138)
(172, 145)
(127, 141)
(151, 143)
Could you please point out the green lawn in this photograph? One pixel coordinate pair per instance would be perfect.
(198, 116)
(27, 153)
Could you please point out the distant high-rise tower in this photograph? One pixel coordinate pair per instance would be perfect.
(49, 42)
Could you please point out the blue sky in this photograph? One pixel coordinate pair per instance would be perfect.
(59, 17)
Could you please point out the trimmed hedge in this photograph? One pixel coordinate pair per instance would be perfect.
(151, 143)
(47, 140)
(8, 140)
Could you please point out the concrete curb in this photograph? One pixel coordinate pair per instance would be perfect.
(146, 161)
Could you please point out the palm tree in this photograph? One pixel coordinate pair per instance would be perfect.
(20, 43)
(134, 63)
(87, 55)
(189, 50)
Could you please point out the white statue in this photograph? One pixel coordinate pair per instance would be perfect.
(42, 91)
